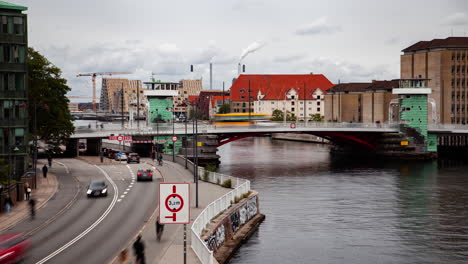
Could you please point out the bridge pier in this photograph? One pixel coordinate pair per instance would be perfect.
(71, 149)
(93, 146)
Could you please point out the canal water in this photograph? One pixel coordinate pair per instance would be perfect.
(321, 209)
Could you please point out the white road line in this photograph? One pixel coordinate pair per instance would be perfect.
(119, 200)
(122, 196)
(90, 228)
(125, 192)
(66, 168)
(128, 189)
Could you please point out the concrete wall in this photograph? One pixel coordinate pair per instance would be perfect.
(231, 221)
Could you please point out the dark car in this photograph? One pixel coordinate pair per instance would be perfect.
(13, 248)
(133, 157)
(144, 175)
(97, 188)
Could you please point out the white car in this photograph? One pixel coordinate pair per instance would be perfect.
(122, 157)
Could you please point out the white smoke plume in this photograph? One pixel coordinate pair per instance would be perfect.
(251, 48)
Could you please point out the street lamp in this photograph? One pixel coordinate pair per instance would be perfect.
(173, 132)
(195, 149)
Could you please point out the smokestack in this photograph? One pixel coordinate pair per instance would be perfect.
(191, 68)
(243, 68)
(211, 76)
(238, 69)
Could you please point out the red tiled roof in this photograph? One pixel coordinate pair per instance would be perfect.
(362, 87)
(275, 87)
(450, 42)
(193, 99)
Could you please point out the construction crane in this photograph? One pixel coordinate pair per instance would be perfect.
(93, 77)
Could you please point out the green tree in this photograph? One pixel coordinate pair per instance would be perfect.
(47, 90)
(224, 109)
(316, 118)
(277, 115)
(290, 116)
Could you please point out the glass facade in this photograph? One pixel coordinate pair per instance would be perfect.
(13, 89)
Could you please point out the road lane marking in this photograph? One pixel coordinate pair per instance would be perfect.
(90, 228)
(66, 168)
(125, 192)
(119, 200)
(122, 196)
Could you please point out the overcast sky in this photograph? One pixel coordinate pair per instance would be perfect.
(350, 41)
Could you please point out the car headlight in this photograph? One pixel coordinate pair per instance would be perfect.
(104, 191)
(89, 192)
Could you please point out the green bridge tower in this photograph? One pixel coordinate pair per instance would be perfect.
(413, 116)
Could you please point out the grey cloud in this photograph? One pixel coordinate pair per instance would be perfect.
(289, 58)
(319, 26)
(457, 19)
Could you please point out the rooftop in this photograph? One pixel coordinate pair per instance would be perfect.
(450, 42)
(5, 5)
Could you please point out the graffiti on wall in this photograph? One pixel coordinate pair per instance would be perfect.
(234, 221)
(244, 214)
(217, 238)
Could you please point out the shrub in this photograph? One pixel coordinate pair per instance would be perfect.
(206, 175)
(227, 183)
(245, 195)
(210, 167)
(218, 181)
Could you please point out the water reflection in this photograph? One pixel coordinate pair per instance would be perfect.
(325, 210)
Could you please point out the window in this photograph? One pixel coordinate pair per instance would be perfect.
(302, 108)
(272, 102)
(243, 104)
(310, 102)
(318, 103)
(292, 109)
(4, 24)
(241, 91)
(6, 53)
(19, 81)
(318, 96)
(18, 25)
(301, 102)
(242, 97)
(292, 103)
(292, 96)
(310, 108)
(318, 109)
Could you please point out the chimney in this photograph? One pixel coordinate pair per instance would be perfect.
(211, 76)
(243, 68)
(238, 69)
(311, 73)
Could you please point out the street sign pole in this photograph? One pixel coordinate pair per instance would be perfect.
(185, 243)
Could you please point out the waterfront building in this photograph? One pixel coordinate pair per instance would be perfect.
(366, 102)
(73, 106)
(111, 96)
(216, 102)
(160, 97)
(444, 62)
(13, 88)
(301, 94)
(203, 102)
(186, 88)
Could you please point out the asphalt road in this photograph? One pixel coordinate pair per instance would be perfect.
(92, 230)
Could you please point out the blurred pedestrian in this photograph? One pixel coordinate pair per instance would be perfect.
(49, 159)
(32, 207)
(44, 171)
(27, 190)
(123, 257)
(152, 155)
(8, 204)
(159, 229)
(139, 249)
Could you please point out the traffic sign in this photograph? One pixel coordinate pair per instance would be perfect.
(174, 138)
(293, 125)
(174, 203)
(120, 138)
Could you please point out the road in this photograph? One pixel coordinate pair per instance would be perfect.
(90, 230)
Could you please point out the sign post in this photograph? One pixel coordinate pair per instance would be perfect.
(174, 206)
(174, 140)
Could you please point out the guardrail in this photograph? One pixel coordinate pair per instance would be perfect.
(241, 187)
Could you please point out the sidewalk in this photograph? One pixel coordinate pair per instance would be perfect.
(170, 249)
(46, 188)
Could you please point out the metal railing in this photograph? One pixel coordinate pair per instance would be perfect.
(241, 186)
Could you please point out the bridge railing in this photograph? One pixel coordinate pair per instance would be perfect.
(241, 186)
(204, 126)
(448, 126)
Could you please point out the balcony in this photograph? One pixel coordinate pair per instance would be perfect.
(161, 93)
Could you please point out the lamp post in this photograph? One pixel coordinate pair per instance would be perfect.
(173, 132)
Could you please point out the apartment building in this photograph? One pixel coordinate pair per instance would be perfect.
(111, 96)
(445, 63)
(13, 88)
(301, 94)
(186, 88)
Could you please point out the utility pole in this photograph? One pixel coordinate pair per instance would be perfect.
(122, 106)
(249, 99)
(305, 106)
(138, 106)
(185, 121)
(223, 93)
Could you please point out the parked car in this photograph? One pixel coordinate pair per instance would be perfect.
(133, 157)
(144, 175)
(13, 248)
(122, 157)
(97, 188)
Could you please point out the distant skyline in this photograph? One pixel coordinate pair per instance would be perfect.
(350, 41)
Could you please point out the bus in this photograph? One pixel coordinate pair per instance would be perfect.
(239, 119)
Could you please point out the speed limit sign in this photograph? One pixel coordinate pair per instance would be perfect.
(174, 138)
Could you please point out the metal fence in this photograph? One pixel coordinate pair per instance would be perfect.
(241, 186)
